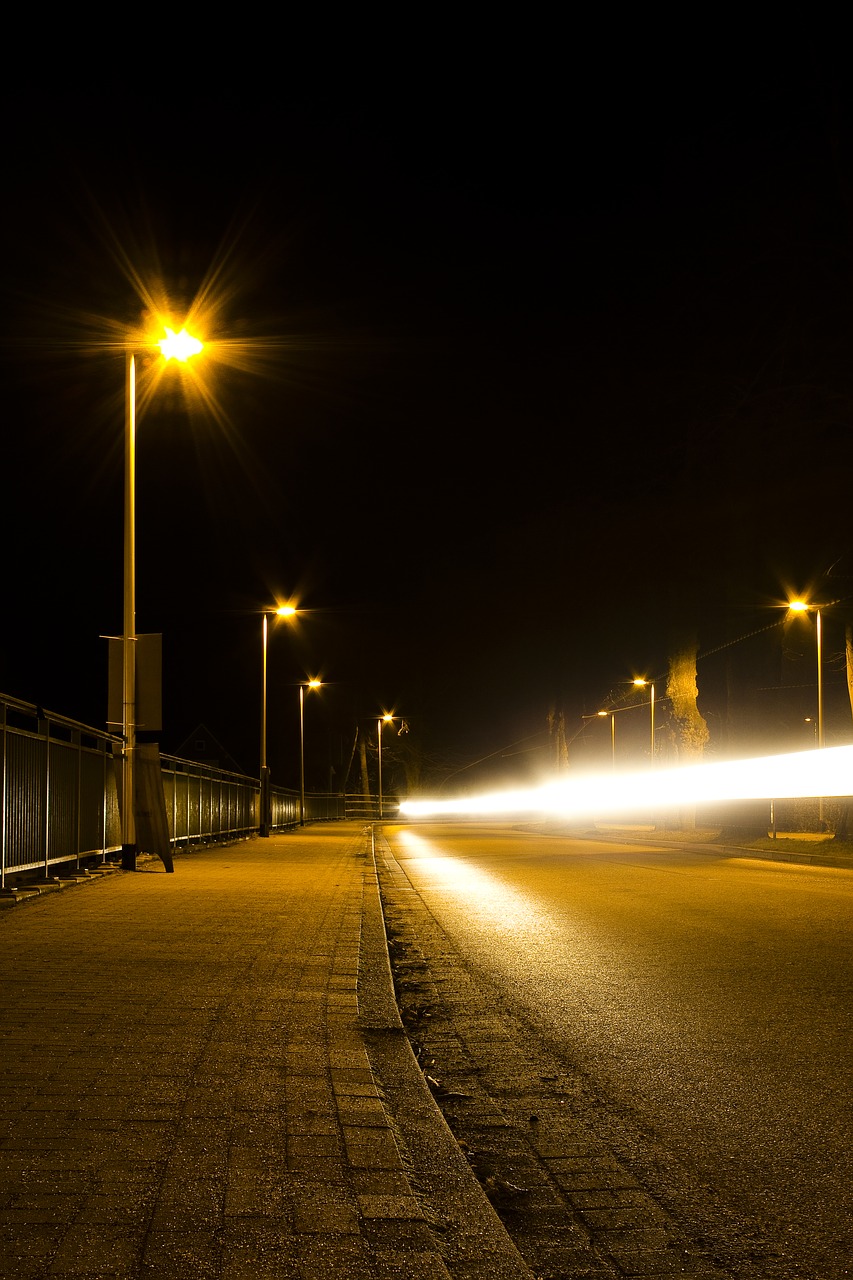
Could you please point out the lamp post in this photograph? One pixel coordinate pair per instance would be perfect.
(602, 715)
(612, 715)
(283, 611)
(387, 718)
(642, 684)
(179, 347)
(801, 606)
(308, 684)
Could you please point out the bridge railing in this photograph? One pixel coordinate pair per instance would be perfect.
(59, 798)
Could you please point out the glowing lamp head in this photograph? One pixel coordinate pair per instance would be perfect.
(798, 606)
(286, 611)
(179, 346)
(314, 684)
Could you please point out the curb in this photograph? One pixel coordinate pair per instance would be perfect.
(788, 856)
(471, 1237)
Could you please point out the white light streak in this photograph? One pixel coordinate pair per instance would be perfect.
(828, 772)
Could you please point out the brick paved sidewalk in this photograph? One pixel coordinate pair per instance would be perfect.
(193, 1081)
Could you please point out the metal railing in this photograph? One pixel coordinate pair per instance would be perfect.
(59, 795)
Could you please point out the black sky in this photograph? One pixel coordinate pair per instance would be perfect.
(562, 365)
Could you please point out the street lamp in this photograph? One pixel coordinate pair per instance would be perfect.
(612, 715)
(387, 718)
(801, 606)
(602, 715)
(308, 684)
(283, 611)
(642, 684)
(175, 346)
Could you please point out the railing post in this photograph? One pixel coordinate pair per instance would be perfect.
(44, 728)
(104, 802)
(77, 740)
(3, 798)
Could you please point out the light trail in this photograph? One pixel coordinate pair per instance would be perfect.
(800, 775)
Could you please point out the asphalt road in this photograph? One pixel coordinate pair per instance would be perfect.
(706, 999)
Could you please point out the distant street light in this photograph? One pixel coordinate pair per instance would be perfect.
(283, 611)
(612, 735)
(173, 347)
(387, 718)
(602, 715)
(643, 684)
(307, 684)
(801, 606)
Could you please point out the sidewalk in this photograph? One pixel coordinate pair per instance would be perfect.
(205, 1075)
(807, 849)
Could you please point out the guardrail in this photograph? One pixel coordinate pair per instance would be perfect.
(59, 798)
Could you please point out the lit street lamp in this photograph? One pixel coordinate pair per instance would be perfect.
(602, 715)
(173, 347)
(387, 718)
(283, 611)
(612, 734)
(308, 684)
(800, 606)
(642, 684)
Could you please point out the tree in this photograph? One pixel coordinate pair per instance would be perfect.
(682, 690)
(691, 729)
(559, 746)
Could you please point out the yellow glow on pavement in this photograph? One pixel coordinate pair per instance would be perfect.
(802, 774)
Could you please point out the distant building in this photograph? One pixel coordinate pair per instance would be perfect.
(205, 748)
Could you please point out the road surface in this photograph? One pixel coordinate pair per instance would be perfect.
(702, 1004)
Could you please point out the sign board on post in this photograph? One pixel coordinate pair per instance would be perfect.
(149, 801)
(149, 683)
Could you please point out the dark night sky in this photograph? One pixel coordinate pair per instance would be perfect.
(545, 368)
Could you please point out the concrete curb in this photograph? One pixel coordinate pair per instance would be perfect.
(719, 849)
(473, 1240)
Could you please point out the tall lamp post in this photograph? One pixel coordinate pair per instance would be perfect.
(387, 718)
(308, 684)
(612, 715)
(642, 684)
(283, 611)
(801, 606)
(175, 346)
(602, 715)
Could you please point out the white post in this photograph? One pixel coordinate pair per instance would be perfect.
(128, 822)
(301, 758)
(264, 825)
